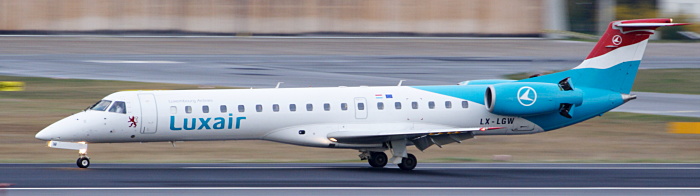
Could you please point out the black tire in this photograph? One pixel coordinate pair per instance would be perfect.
(83, 162)
(408, 163)
(377, 159)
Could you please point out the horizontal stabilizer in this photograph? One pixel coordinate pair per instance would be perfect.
(649, 24)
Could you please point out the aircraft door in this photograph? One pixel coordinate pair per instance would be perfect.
(360, 108)
(149, 114)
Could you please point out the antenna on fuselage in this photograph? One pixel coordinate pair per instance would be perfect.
(278, 84)
(400, 82)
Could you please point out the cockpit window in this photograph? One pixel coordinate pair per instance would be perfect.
(101, 105)
(118, 107)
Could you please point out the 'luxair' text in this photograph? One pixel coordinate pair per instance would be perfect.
(205, 123)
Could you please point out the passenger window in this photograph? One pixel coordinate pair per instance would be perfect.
(327, 106)
(380, 105)
(414, 105)
(309, 107)
(173, 110)
(241, 108)
(448, 104)
(344, 106)
(360, 106)
(118, 107)
(431, 104)
(258, 108)
(101, 105)
(292, 107)
(465, 104)
(397, 105)
(223, 108)
(188, 109)
(275, 107)
(205, 109)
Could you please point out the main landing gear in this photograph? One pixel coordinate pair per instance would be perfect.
(404, 160)
(379, 160)
(408, 163)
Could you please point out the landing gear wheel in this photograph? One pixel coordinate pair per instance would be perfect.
(83, 162)
(408, 163)
(377, 159)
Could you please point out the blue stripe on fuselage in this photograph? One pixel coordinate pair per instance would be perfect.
(474, 93)
(618, 78)
(601, 92)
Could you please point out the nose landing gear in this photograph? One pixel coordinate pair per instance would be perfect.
(83, 160)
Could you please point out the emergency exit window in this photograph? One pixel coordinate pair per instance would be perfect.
(361, 106)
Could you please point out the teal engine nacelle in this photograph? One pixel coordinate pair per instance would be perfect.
(532, 98)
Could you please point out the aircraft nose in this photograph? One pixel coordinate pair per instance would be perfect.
(43, 135)
(49, 133)
(59, 129)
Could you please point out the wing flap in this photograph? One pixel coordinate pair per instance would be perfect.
(421, 138)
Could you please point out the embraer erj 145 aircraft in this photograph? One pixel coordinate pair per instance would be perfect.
(370, 119)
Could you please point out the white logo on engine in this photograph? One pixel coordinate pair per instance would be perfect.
(527, 96)
(617, 40)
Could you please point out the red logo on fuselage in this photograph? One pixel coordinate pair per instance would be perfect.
(133, 121)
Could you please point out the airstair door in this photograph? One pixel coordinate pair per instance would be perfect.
(149, 114)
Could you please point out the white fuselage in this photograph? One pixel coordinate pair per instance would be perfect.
(269, 114)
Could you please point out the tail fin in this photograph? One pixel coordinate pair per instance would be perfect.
(614, 61)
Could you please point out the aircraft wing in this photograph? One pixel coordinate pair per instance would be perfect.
(422, 139)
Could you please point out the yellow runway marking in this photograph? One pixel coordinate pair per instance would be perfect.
(11, 86)
(684, 127)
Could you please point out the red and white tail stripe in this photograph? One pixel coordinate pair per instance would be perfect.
(623, 41)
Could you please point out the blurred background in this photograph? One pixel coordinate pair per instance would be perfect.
(521, 18)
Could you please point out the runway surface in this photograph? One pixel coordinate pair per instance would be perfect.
(663, 104)
(354, 178)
